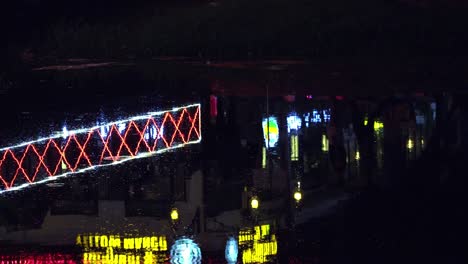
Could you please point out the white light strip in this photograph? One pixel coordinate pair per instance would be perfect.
(84, 130)
(64, 175)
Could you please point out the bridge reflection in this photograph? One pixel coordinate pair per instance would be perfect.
(71, 152)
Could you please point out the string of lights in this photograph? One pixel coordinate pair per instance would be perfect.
(76, 151)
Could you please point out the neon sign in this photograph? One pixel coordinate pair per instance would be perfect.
(116, 249)
(74, 151)
(270, 131)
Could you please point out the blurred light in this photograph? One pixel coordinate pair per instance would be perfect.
(232, 251)
(324, 143)
(185, 251)
(270, 131)
(366, 121)
(420, 119)
(259, 244)
(358, 155)
(294, 148)
(264, 158)
(254, 203)
(378, 125)
(410, 144)
(294, 122)
(297, 196)
(339, 97)
(316, 117)
(309, 97)
(213, 106)
(174, 214)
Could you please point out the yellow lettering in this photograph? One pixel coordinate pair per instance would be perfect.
(96, 240)
(147, 243)
(129, 243)
(114, 241)
(122, 259)
(154, 243)
(138, 242)
(104, 241)
(78, 240)
(148, 258)
(162, 243)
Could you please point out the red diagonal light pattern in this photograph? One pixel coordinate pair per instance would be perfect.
(48, 158)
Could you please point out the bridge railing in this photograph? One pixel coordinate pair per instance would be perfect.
(71, 152)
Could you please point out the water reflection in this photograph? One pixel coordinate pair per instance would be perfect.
(259, 175)
(124, 249)
(38, 258)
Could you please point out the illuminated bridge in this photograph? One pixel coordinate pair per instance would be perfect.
(76, 151)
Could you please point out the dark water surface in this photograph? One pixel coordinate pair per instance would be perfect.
(292, 175)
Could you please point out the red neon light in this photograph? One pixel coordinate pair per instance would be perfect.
(42, 159)
(38, 259)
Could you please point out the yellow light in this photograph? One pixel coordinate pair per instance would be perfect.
(410, 144)
(366, 121)
(254, 203)
(174, 214)
(358, 155)
(378, 125)
(294, 148)
(264, 159)
(298, 196)
(324, 143)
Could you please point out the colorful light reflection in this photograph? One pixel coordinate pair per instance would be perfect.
(185, 251)
(270, 131)
(260, 246)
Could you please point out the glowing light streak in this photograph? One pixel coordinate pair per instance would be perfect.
(410, 144)
(324, 143)
(294, 148)
(264, 158)
(185, 251)
(358, 155)
(72, 154)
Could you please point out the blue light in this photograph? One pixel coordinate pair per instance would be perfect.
(294, 122)
(232, 250)
(185, 251)
(316, 117)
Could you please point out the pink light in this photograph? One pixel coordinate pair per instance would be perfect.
(213, 106)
